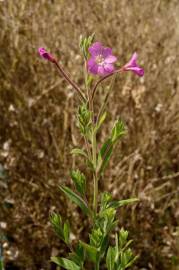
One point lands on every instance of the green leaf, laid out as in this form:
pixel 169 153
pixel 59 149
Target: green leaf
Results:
pixel 78 256
pixel 76 199
pixel 91 252
pixel 66 232
pixel 110 258
pixel 84 120
pixel 56 222
pixel 117 131
pixel 80 252
pixel 85 43
pixel 123 235
pixel 116 204
pixel 106 197
pixel 80 152
pixel 132 261
pixel 100 122
pixel 65 263
pixel 104 155
pixel 79 180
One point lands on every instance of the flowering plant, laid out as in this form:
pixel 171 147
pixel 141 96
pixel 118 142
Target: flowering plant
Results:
pixel 98 61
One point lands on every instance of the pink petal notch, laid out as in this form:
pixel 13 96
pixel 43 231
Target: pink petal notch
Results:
pixel 44 54
pixel 133 66
pixel 102 60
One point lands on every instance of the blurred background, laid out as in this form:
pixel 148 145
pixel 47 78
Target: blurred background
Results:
pixel 38 129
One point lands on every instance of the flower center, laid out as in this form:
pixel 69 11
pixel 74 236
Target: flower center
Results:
pixel 99 59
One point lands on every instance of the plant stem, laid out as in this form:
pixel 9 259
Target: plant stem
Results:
pixel 95 178
pixel 104 78
pixel 67 78
pixel 97 264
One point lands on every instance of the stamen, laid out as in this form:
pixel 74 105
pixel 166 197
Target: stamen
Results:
pixel 99 59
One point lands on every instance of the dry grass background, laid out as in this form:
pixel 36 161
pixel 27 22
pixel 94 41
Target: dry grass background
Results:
pixel 37 127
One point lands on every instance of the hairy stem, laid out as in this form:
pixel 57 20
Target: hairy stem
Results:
pixel 102 79
pixel 67 78
pixel 95 178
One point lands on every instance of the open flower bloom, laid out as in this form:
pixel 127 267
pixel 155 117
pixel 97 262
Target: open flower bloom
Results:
pixel 132 66
pixel 43 53
pixel 102 60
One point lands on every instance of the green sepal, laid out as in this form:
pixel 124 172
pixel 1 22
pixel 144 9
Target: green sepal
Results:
pixel 76 199
pixel 65 263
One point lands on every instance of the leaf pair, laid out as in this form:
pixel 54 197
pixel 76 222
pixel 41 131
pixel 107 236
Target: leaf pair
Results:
pixel 76 199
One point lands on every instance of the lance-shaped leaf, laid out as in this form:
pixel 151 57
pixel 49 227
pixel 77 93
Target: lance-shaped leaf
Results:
pixel 91 252
pixel 76 199
pixel 104 155
pixel 100 122
pixel 56 222
pixel 117 131
pixel 84 120
pixel 65 263
pixel 62 230
pixel 110 258
pixel 80 152
pixel 78 255
pixel 79 180
pixel 123 235
pixel 85 42
pixel 66 232
pixel 116 204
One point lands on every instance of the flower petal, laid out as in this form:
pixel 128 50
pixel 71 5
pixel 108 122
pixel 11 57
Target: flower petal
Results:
pixel 95 49
pixel 133 66
pixel 92 66
pixel 101 71
pixel 106 52
pixel 110 59
pixel 109 68
pixel 132 61
pixel 139 71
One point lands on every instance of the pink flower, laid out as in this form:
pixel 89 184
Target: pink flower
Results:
pixel 101 61
pixel 132 65
pixel 43 53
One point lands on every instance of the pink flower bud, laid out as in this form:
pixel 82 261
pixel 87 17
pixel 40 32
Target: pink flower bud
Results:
pixel 43 53
pixel 133 66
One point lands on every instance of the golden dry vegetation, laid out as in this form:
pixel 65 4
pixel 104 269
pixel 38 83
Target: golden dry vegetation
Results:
pixel 38 130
